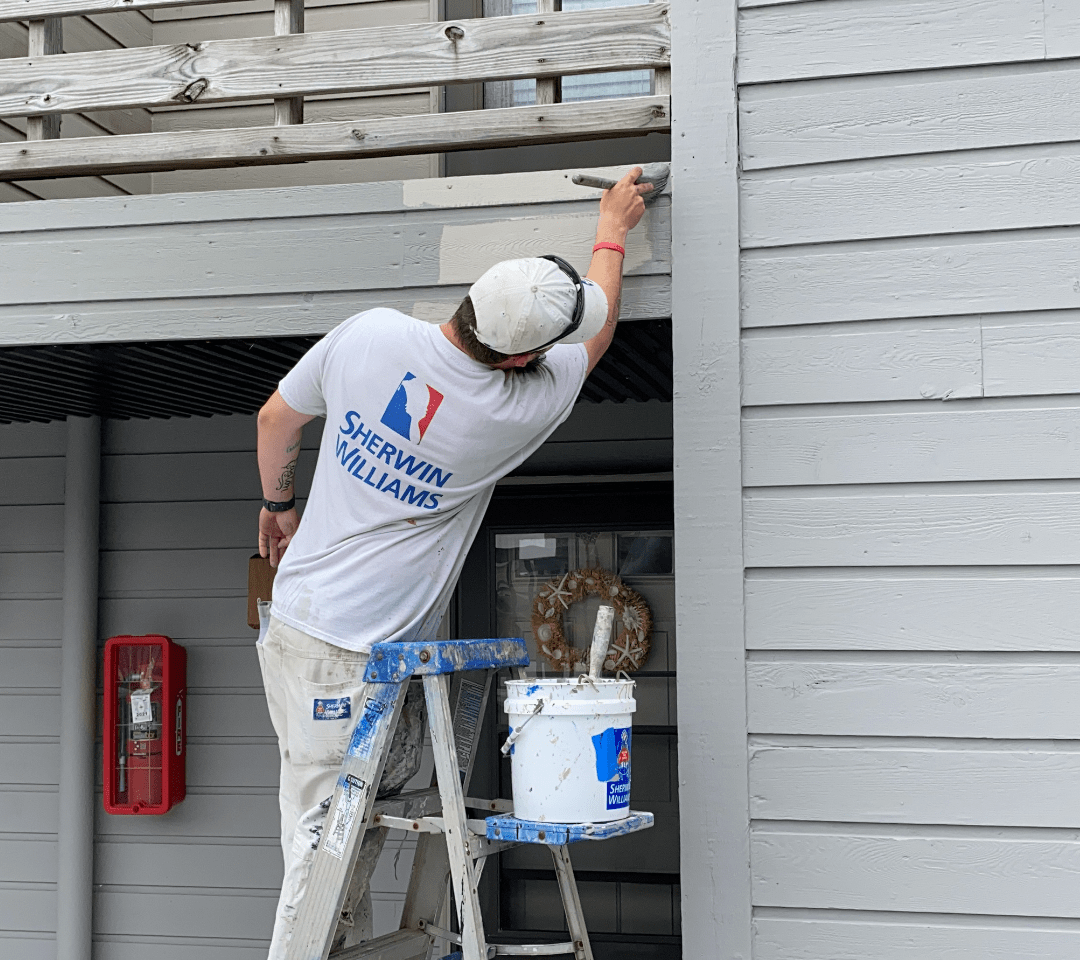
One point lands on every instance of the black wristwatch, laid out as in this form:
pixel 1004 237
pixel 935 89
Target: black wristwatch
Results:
pixel 279 506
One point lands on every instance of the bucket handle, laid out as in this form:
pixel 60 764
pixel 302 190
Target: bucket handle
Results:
pixel 516 732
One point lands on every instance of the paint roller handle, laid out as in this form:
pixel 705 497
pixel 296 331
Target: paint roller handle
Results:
pixel 601 183
pixel 601 639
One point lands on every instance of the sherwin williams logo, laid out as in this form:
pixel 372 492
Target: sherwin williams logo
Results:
pixel 338 709
pixel 412 408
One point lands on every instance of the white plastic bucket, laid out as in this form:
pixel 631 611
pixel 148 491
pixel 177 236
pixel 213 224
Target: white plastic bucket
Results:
pixel 570 758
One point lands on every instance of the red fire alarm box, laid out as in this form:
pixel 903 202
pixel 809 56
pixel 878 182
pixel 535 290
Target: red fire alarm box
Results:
pixel 145 749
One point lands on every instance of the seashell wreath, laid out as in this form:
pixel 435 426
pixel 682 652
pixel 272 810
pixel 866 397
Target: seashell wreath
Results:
pixel 630 648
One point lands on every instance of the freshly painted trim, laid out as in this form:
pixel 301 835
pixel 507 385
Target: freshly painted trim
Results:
pixel 713 775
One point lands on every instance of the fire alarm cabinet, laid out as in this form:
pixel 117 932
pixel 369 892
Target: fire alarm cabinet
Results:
pixel 145 681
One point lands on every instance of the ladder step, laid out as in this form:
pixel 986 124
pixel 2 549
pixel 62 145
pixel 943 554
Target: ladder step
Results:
pixel 558 834
pixel 399 945
pixel 393 662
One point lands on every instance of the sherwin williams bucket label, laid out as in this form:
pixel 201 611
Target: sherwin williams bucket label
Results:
pixel 340 709
pixel 612 749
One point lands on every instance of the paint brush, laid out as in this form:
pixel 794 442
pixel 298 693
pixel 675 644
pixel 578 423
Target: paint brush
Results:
pixel 657 174
pixel 601 639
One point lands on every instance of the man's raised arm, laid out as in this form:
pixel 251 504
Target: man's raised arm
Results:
pixel 621 208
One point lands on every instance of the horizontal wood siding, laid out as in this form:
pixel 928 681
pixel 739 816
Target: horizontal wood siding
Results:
pixel 297 260
pixel 31 579
pixel 911 462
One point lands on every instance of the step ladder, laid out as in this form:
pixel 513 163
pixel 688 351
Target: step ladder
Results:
pixel 451 846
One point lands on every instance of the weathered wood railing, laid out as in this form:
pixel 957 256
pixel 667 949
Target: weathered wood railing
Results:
pixel 291 65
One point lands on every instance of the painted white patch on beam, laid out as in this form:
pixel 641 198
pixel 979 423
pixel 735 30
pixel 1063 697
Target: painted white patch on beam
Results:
pixel 434 311
pixel 466 251
pixel 502 189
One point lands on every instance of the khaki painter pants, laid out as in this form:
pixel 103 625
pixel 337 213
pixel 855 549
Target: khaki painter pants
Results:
pixel 300 671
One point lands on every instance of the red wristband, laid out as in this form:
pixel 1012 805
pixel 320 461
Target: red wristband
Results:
pixel 609 246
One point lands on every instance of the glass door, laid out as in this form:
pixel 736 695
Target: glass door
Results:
pixel 629 886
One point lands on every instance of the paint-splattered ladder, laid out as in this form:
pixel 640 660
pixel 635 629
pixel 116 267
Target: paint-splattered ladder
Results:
pixel 450 846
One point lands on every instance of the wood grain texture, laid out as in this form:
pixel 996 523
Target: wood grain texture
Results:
pixel 1006 190
pixel 965 609
pixel 845 37
pixel 223 21
pixel 1012 524
pixel 1036 356
pixel 963 275
pixel 397 136
pixel 826 935
pixel 944 782
pixel 644 297
pixel 881 361
pixel 304 255
pixel 1004 696
pixel 898 114
pixel 948 872
pixel 336 61
pixel 543 187
pixel 913 442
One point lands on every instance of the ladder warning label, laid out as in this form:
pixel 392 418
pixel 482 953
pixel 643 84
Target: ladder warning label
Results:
pixel 337 837
pixel 466 721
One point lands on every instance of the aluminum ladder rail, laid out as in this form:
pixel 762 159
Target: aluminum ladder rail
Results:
pixel 453 734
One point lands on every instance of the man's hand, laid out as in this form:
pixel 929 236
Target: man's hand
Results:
pixel 275 532
pixel 622 207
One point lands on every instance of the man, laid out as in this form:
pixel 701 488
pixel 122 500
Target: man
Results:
pixel 422 421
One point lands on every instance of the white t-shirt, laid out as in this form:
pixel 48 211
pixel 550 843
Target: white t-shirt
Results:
pixel 417 433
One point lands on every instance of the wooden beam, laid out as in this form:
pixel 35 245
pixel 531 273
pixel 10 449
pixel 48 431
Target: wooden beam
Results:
pixel 384 58
pixel 39 9
pixel 425 133
pixel 548 91
pixel 288 19
pixel 46 38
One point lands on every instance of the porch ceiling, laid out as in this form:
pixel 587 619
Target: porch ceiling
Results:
pixel 206 377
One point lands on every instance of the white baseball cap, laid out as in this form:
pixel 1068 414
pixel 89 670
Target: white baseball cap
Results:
pixel 524 305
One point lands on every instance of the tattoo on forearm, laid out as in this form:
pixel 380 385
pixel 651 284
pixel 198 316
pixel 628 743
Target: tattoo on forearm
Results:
pixel 292 446
pixel 285 481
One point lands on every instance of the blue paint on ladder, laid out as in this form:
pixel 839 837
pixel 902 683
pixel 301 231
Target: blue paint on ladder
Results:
pixel 395 662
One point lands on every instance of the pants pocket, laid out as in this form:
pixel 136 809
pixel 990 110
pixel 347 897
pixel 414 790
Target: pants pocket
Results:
pixel 323 718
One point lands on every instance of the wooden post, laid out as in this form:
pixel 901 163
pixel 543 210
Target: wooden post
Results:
pixel 713 761
pixel 46 38
pixel 548 91
pixel 288 18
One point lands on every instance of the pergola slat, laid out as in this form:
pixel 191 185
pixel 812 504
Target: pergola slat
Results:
pixel 384 58
pixel 424 133
pixel 38 9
